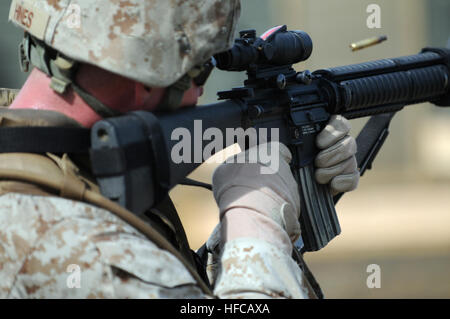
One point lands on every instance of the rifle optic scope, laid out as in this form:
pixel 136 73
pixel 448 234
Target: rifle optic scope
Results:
pixel 275 47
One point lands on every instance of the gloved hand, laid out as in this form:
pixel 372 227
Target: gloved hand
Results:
pixel 262 206
pixel 258 200
pixel 336 162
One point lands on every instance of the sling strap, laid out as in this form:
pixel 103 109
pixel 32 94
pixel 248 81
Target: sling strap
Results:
pixel 63 140
pixel 44 139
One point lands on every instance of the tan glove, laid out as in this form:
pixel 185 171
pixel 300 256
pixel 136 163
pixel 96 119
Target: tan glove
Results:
pixel 259 205
pixel 264 205
pixel 336 162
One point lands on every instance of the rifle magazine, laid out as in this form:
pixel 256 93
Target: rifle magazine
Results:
pixel 318 218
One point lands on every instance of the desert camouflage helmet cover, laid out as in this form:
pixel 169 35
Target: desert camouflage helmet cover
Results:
pixel 151 41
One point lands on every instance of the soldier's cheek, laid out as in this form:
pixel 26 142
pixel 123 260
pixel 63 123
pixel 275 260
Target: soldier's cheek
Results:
pixel 149 98
pixel 191 96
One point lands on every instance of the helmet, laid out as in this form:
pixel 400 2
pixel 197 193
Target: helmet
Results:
pixel 155 42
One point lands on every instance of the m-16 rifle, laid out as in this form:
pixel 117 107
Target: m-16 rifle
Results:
pixel 298 104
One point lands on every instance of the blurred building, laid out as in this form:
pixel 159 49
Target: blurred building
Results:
pixel 10 36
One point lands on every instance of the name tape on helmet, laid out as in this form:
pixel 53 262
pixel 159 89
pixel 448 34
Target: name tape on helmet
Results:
pixel 26 15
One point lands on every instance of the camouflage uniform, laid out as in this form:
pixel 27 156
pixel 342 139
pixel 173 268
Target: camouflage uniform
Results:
pixel 41 236
pixel 45 240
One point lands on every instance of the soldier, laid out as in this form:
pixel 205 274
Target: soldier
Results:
pixel 124 56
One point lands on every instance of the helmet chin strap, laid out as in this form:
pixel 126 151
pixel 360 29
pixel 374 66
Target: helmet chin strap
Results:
pixel 61 70
pixel 174 93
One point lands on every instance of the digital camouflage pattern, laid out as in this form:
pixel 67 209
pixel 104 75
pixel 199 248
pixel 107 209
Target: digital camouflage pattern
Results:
pixel 249 268
pixel 154 42
pixel 41 236
pixel 45 240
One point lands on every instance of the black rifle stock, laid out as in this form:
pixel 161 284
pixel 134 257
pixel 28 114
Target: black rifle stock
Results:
pixel 298 104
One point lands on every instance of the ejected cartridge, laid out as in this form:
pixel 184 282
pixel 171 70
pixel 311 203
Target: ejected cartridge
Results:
pixel 367 43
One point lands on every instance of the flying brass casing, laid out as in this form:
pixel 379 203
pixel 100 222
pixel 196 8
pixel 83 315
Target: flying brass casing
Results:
pixel 367 42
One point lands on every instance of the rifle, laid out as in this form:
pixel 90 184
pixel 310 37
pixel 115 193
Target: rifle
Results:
pixel 131 154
